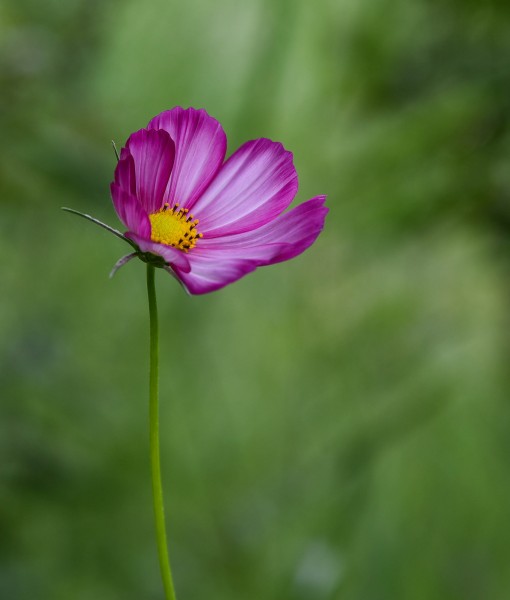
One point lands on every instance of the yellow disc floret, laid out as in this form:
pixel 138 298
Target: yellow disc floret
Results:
pixel 174 227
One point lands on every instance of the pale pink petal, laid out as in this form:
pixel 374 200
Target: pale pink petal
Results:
pixel 177 259
pixel 153 157
pixel 130 211
pixel 288 235
pixel 208 273
pixel 200 146
pixel 216 262
pixel 253 187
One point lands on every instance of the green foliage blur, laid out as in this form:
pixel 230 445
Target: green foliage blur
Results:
pixel 335 427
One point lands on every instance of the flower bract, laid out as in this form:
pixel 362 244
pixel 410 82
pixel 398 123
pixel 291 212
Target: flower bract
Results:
pixel 207 220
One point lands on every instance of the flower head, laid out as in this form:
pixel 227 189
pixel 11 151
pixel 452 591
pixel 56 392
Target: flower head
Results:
pixel 206 220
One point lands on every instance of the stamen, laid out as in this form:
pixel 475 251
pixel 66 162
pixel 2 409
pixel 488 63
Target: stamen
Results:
pixel 174 227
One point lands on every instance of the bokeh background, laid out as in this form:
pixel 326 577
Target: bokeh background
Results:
pixel 335 427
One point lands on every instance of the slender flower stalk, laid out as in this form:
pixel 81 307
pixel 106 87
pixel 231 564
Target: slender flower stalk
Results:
pixel 157 488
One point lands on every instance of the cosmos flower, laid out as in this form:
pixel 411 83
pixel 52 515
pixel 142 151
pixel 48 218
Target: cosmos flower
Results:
pixel 209 221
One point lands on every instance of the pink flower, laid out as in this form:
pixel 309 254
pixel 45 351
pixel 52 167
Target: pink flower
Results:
pixel 209 221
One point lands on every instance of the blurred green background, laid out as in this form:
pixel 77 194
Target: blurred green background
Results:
pixel 335 427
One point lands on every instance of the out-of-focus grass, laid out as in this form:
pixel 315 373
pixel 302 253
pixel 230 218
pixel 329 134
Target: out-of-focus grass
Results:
pixel 333 427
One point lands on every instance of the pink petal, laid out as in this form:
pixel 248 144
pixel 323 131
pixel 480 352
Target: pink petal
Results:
pixel 130 211
pixel 125 176
pixel 153 157
pixel 288 235
pixel 200 146
pixel 208 273
pixel 175 258
pixel 253 187
pixel 216 262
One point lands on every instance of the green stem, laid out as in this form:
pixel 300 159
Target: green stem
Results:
pixel 157 489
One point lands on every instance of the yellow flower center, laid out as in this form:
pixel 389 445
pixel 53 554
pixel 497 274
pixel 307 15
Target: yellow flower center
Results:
pixel 174 227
